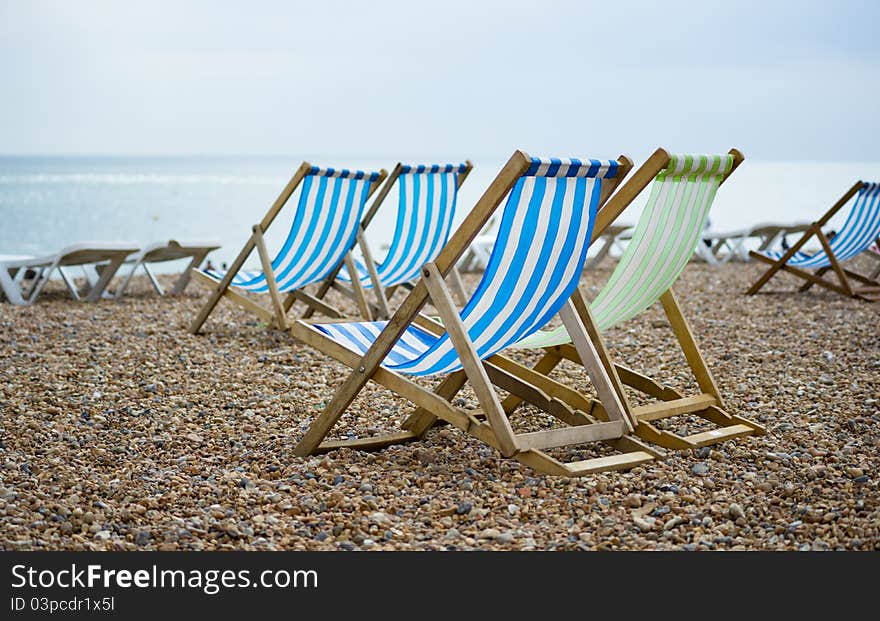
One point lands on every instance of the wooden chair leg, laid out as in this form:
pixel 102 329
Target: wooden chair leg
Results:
pixel 593 362
pixel 841 276
pixel 470 361
pixel 583 309
pixel 269 275
pixel 378 289
pixel 360 295
pixel 689 346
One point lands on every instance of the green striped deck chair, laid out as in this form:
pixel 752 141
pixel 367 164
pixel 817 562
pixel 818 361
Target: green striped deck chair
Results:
pixel 663 241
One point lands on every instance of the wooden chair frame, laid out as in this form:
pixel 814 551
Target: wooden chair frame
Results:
pixel 490 424
pixel 708 405
pixel 277 316
pixel 381 308
pixel 865 287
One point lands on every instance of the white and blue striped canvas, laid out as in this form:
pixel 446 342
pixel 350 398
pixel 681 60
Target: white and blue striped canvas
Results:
pixel 324 228
pixel 426 207
pixel 535 265
pixel 859 231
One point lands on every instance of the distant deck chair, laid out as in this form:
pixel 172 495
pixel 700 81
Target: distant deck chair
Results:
pixel 99 261
pixel 322 234
pixel 171 250
pixel 425 210
pixel 535 266
pixel 859 231
pixel 662 244
pixel 731 245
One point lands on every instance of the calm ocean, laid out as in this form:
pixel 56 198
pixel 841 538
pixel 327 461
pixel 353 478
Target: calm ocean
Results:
pixel 49 202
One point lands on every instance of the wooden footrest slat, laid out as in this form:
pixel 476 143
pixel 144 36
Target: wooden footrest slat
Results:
pixel 612 462
pixel 367 444
pixel 570 435
pixel 720 435
pixel 685 405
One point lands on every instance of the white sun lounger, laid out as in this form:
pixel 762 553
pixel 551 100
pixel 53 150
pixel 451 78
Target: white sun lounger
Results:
pixel 99 261
pixel 731 245
pixel 171 250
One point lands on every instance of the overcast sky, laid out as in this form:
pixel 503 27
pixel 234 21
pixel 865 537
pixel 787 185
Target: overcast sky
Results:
pixel 388 79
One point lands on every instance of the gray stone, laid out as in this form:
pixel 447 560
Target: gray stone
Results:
pixel 700 469
pixel 735 511
pixel 644 524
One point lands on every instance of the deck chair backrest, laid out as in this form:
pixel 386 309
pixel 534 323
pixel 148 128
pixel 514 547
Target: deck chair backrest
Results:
pixel 427 196
pixel 323 229
pixel 664 238
pixel 535 265
pixel 426 207
pixel 859 231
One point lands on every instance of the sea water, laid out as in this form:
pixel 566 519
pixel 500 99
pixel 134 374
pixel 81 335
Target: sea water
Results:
pixel 47 203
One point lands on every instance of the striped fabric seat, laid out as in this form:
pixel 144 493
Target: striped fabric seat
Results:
pixel 323 230
pixel 535 265
pixel 426 207
pixel 663 242
pixel 859 231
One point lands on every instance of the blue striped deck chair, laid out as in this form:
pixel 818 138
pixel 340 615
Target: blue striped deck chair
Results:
pixel 322 234
pixel 859 231
pixel 425 209
pixel 663 241
pixel 535 266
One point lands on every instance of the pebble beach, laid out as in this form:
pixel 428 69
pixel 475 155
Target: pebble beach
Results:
pixel 119 430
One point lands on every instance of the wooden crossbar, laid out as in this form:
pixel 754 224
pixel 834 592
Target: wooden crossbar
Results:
pixel 551 438
pixel 684 405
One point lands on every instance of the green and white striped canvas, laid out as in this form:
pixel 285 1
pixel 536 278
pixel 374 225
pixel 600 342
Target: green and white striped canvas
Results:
pixel 664 240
